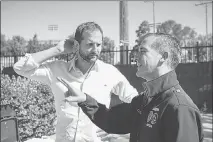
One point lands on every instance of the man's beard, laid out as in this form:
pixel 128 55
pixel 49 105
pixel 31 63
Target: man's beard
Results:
pixel 88 58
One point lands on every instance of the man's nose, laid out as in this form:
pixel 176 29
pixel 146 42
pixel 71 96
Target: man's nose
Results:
pixel 135 56
pixel 95 47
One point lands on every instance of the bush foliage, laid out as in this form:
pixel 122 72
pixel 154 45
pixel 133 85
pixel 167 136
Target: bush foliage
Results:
pixel 33 103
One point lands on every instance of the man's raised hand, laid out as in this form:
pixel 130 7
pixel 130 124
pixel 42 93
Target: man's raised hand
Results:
pixel 67 46
pixel 73 94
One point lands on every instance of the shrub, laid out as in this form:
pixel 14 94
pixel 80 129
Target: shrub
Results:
pixel 33 103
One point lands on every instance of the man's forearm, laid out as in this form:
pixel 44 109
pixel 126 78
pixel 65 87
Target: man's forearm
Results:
pixel 44 55
pixel 116 120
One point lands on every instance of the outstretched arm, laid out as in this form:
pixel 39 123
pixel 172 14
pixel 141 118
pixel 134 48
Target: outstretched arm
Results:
pixel 118 119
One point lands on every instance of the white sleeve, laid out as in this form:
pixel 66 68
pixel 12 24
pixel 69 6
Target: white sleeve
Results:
pixel 123 88
pixel 27 67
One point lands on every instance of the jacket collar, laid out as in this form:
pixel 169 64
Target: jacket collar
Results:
pixel 160 84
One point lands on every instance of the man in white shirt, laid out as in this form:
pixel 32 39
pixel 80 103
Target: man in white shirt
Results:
pixel 86 72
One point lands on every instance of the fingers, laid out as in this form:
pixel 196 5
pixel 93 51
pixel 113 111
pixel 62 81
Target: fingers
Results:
pixel 67 94
pixel 106 137
pixel 101 133
pixel 71 43
pixel 68 99
pixel 71 89
pixel 76 44
pixel 72 99
pixel 73 94
pixel 99 130
pixel 64 81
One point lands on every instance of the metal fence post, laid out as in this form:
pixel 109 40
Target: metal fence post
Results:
pixel 198 55
pixel 15 59
pixel 127 59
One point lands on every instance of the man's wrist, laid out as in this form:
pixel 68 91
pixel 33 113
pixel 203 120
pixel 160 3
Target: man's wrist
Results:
pixel 56 50
pixel 87 101
pixel 84 99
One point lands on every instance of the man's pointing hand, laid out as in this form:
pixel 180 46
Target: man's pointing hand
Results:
pixel 73 94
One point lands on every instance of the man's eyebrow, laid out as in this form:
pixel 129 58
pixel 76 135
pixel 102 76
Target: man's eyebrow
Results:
pixel 141 47
pixel 90 40
pixel 93 41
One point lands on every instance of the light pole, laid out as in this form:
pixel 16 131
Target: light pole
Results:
pixel 154 25
pixel 53 28
pixel 153 16
pixel 206 3
pixel 124 33
pixel 206 8
pixel 153 2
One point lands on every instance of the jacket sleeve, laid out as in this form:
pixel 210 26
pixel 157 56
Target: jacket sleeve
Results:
pixel 182 124
pixel 27 67
pixel 117 120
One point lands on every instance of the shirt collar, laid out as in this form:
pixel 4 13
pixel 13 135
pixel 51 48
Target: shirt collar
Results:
pixel 73 61
pixel 160 84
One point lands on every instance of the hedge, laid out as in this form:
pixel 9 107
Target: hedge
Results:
pixel 33 103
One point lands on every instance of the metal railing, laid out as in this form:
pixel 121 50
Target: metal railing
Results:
pixel 197 54
pixel 189 55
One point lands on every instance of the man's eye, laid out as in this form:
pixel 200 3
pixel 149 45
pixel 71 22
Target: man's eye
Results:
pixel 142 50
pixel 90 44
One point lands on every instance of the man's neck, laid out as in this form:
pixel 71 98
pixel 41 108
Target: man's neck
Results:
pixel 158 73
pixel 82 65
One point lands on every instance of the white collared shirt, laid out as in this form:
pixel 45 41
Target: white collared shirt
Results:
pixel 102 80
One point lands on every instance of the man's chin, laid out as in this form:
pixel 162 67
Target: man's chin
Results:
pixel 137 74
pixel 140 74
pixel 92 60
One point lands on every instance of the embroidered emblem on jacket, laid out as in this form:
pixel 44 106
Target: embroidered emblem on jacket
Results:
pixel 152 117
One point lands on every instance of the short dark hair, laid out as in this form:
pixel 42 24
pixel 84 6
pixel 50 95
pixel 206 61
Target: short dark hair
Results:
pixel 166 43
pixel 87 26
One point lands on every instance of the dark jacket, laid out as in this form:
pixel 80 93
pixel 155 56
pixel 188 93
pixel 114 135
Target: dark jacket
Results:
pixel 162 113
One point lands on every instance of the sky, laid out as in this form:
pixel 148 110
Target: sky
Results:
pixel 25 18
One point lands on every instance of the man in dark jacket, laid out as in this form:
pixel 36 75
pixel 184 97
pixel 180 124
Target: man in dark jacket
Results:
pixel 163 112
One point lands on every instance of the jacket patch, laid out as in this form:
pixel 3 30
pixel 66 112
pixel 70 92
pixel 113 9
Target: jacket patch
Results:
pixel 152 117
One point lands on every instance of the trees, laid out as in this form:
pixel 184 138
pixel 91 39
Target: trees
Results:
pixel 107 54
pixel 33 45
pixel 142 30
pixel 185 34
pixel 19 46
pixel 3 41
pixel 16 45
pixel 166 27
pixel 4 45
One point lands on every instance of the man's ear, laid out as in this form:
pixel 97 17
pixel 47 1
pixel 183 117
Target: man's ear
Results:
pixel 164 57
